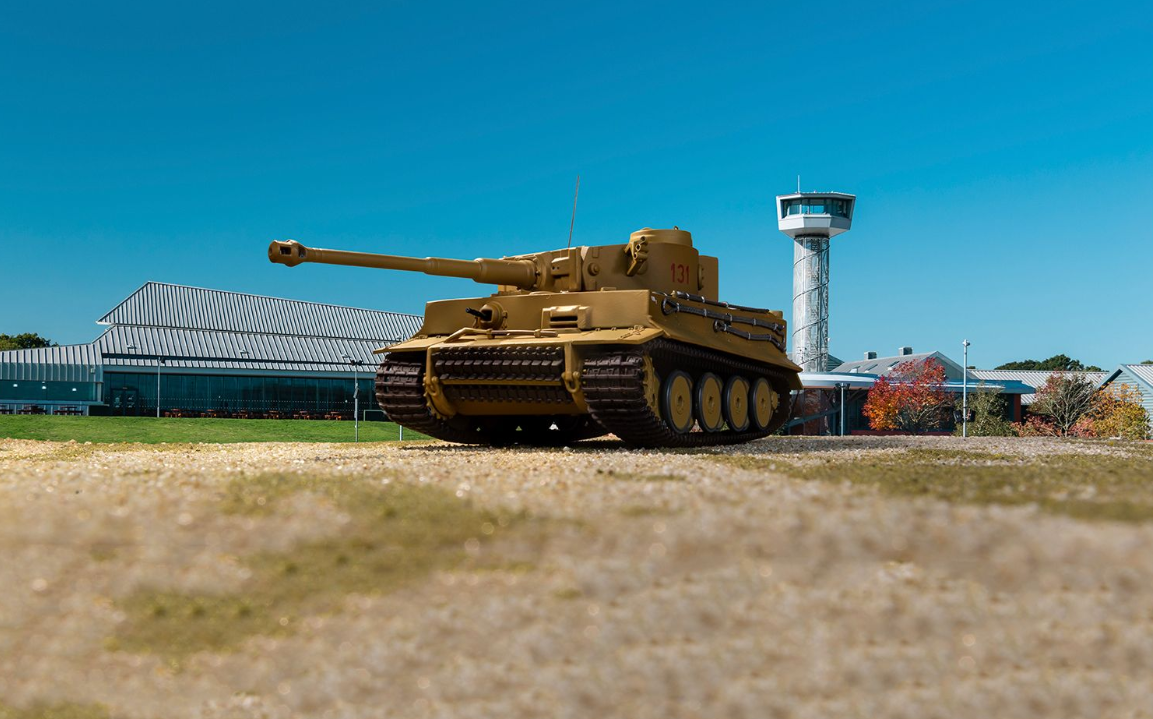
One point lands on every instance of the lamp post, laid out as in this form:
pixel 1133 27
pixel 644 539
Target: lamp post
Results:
pixel 965 390
pixel 842 386
pixel 355 395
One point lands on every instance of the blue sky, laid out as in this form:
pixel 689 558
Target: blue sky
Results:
pixel 1002 154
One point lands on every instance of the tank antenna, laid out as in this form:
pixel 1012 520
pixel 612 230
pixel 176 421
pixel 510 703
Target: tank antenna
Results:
pixel 572 222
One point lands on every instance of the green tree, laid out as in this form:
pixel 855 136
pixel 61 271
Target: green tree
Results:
pixel 25 341
pixel 1056 363
pixel 988 408
pixel 1147 362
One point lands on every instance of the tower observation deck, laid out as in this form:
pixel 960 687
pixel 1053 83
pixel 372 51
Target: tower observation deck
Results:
pixel 811 219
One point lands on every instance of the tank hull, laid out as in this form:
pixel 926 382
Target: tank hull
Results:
pixel 553 368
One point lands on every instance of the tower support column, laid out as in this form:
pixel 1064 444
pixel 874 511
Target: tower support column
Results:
pixel 811 303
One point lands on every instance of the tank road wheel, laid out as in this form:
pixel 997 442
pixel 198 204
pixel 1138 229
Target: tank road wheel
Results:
pixel 764 403
pixel 677 401
pixel 708 404
pixel 736 403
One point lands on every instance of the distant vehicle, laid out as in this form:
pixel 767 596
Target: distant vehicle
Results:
pixel 576 343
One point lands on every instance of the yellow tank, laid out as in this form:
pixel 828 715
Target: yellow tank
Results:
pixel 629 339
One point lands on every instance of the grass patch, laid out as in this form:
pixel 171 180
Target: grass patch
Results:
pixel 55 711
pixel 645 510
pixel 259 495
pixel 398 533
pixel 152 430
pixel 756 463
pixel 1095 487
pixel 640 477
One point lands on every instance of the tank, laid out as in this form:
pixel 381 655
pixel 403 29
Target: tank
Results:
pixel 629 339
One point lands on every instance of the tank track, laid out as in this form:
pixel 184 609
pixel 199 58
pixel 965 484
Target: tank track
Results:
pixel 614 389
pixel 400 393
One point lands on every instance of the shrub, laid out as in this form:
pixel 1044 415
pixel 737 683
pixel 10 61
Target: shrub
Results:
pixel 1083 429
pixel 1035 426
pixel 1064 399
pixel 988 409
pixel 1117 412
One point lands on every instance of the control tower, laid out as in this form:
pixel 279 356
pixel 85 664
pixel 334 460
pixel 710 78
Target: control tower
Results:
pixel 812 219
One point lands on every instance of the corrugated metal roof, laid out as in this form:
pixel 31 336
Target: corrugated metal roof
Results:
pixel 1144 371
pixel 880 365
pixel 193 308
pixel 205 349
pixel 66 363
pixel 884 365
pixel 1032 377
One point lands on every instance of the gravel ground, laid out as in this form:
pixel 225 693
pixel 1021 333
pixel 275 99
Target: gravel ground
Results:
pixel 667 585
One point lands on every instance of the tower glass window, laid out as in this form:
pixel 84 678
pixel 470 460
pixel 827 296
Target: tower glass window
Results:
pixel 815 206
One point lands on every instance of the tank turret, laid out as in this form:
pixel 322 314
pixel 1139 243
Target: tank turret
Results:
pixel 628 339
pixel 652 259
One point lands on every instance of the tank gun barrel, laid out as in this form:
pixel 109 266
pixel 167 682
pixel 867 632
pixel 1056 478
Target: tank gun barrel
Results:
pixel 517 273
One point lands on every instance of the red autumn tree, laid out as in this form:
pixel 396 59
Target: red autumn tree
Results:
pixel 911 398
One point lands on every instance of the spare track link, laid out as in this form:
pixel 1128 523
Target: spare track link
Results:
pixel 476 368
pixel 400 393
pixel 614 389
